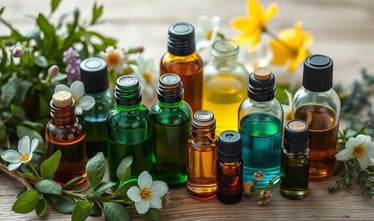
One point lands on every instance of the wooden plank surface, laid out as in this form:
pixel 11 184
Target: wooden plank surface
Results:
pixel 343 29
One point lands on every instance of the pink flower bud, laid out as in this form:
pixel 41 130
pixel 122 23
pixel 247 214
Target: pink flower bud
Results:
pixel 17 52
pixel 53 71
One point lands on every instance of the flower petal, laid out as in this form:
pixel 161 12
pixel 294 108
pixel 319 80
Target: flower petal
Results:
pixel 145 180
pixel 159 188
pixel 24 145
pixel 62 87
pixel 34 145
pixel 134 193
pixel 344 155
pixel 13 166
pixel 364 161
pixel 155 202
pixel 77 89
pixel 142 206
pixel 11 156
pixel 78 110
pixel 86 102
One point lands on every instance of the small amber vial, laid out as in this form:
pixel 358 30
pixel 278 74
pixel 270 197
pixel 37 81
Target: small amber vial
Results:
pixel 65 132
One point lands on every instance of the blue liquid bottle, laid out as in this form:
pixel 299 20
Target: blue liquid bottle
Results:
pixel 261 128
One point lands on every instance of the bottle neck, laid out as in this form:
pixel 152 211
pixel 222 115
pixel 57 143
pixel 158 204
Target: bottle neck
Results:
pixel 225 53
pixel 63 116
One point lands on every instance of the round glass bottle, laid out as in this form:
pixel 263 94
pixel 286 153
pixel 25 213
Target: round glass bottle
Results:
pixel 224 84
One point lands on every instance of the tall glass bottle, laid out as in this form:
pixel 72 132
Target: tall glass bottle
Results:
pixel 66 132
pixel 317 103
pixel 94 76
pixel 182 59
pixel 294 183
pixel 129 129
pixel 224 84
pixel 202 157
pixel 261 128
pixel 229 167
pixel 171 128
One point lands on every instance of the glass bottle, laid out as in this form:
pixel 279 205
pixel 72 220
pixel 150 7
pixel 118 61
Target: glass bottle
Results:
pixel 94 76
pixel 129 129
pixel 261 128
pixel 171 128
pixel 224 84
pixel 294 183
pixel 317 103
pixel 202 157
pixel 66 132
pixel 229 167
pixel 182 59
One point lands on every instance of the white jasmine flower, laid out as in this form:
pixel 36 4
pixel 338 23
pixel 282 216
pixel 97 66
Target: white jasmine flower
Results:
pixel 23 155
pixel 115 58
pixel 206 31
pixel 360 147
pixel 82 102
pixel 145 71
pixel 148 194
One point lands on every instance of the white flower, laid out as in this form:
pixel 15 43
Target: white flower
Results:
pixel 260 56
pixel 287 108
pixel 23 155
pixel 82 102
pixel 115 58
pixel 149 195
pixel 360 147
pixel 206 31
pixel 145 71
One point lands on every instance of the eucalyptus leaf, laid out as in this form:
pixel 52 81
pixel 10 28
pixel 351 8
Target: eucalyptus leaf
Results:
pixel 115 212
pixel 71 183
pixel 49 186
pixel 101 188
pixel 9 90
pixel 62 204
pixel 26 131
pixel 41 61
pixel 41 207
pixel 27 202
pixel 96 169
pixel 152 214
pixel 124 169
pixel 81 210
pixel 49 166
pixel 22 90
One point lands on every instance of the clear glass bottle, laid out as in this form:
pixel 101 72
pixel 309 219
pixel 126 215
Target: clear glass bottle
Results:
pixel 182 59
pixel 294 183
pixel 261 128
pixel 317 103
pixel 229 167
pixel 224 84
pixel 94 76
pixel 129 130
pixel 202 157
pixel 171 128
pixel 66 132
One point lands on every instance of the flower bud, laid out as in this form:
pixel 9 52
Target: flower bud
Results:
pixel 53 71
pixel 17 52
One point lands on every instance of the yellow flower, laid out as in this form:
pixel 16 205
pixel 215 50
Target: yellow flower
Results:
pixel 291 47
pixel 254 24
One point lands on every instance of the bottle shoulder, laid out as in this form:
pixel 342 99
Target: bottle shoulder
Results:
pixel 179 111
pixel 249 106
pixel 328 98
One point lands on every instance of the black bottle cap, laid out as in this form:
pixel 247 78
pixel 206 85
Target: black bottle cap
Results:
pixel 94 76
pixel 229 146
pixel 296 136
pixel 261 85
pixel 170 88
pixel 317 76
pixel 181 39
pixel 127 91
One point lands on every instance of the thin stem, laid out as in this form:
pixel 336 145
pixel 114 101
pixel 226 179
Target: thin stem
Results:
pixel 34 170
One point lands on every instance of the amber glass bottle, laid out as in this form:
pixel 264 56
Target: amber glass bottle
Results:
pixel 229 167
pixel 202 157
pixel 317 103
pixel 181 58
pixel 65 132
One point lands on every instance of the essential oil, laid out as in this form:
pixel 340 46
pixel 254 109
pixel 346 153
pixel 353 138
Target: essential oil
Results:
pixel 202 157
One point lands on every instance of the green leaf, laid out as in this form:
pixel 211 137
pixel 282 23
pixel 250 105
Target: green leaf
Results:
pixel 27 202
pixel 9 90
pixel 49 186
pixel 29 175
pixel 62 204
pixel 96 169
pixel 121 192
pixel 152 214
pixel 124 169
pixel 81 210
pixel 115 212
pixel 54 5
pixel 22 90
pixel 96 209
pixel 101 188
pixel 41 207
pixel 26 131
pixel 49 166
pixel 97 11
pixel 47 28
pixel 41 61
pixel 71 183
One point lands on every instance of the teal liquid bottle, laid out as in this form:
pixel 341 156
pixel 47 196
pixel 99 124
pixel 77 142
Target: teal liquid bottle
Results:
pixel 129 129
pixel 261 128
pixel 94 77
pixel 171 128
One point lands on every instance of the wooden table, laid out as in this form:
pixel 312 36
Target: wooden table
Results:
pixel 342 29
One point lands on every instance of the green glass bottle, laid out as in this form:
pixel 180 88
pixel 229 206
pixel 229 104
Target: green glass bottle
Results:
pixel 95 79
pixel 129 129
pixel 171 128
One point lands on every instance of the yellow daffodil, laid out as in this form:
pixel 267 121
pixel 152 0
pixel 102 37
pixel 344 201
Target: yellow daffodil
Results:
pixel 254 24
pixel 291 47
